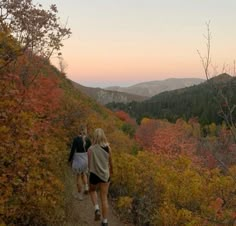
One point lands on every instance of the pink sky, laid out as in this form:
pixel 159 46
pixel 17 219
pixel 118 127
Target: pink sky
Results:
pixel 128 41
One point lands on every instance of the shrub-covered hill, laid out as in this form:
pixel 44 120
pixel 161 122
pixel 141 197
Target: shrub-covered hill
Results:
pixel 203 101
pixel 40 113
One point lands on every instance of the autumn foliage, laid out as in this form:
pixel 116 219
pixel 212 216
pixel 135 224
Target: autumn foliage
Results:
pixel 169 174
pixel 179 179
pixel 40 114
pixel 29 149
pixel 32 138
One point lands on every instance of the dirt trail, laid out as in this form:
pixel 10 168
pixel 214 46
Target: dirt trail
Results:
pixel 81 213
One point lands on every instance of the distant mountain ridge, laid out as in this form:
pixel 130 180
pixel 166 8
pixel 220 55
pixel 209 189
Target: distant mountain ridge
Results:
pixel 201 101
pixel 104 97
pixel 138 92
pixel 152 88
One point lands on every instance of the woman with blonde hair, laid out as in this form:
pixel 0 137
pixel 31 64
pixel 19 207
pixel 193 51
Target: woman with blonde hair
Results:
pixel 79 160
pixel 100 168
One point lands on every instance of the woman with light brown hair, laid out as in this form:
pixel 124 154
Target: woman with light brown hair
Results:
pixel 100 168
pixel 79 161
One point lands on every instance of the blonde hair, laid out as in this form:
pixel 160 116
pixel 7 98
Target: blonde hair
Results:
pixel 99 137
pixel 83 133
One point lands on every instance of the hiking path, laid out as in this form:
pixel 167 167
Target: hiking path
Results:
pixel 81 212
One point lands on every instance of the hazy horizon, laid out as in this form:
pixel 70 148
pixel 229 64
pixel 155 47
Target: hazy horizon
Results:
pixel 132 40
pixel 105 84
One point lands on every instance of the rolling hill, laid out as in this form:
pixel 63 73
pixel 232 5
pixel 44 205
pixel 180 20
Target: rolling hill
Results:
pixel 152 88
pixel 104 96
pixel 202 101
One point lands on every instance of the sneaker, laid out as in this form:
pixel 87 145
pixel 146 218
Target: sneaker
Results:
pixel 97 215
pixel 86 189
pixel 78 195
pixel 104 224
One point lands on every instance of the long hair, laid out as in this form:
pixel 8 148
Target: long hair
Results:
pixel 99 137
pixel 83 134
pixel 83 130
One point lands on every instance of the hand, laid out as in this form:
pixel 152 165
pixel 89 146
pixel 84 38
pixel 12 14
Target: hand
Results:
pixel 111 173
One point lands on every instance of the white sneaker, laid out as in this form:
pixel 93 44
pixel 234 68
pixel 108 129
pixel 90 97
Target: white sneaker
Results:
pixel 86 189
pixel 75 194
pixel 78 195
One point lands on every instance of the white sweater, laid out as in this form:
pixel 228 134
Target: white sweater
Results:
pixel 99 162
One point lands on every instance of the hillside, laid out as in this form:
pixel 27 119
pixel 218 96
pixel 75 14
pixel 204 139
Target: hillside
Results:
pixel 40 114
pixel 152 88
pixel 104 96
pixel 201 101
pixel 163 173
pixel 38 123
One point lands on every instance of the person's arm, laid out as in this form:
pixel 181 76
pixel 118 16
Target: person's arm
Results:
pixel 88 143
pixel 89 157
pixel 72 151
pixel 110 162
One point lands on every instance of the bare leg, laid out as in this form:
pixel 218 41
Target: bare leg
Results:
pixel 93 194
pixel 103 193
pixel 94 198
pixel 84 178
pixel 79 186
pixel 85 183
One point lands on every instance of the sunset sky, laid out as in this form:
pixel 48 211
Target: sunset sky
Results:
pixel 124 42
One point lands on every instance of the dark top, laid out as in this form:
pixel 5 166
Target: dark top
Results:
pixel 106 148
pixel 78 146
